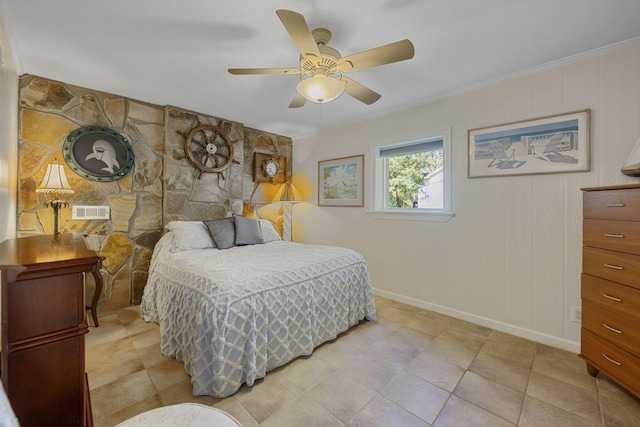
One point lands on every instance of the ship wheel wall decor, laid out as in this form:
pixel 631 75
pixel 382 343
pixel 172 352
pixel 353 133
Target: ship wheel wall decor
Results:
pixel 209 148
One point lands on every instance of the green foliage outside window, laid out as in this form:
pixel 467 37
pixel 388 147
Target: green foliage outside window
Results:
pixel 409 172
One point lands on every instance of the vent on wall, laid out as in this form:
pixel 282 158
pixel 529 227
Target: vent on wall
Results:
pixel 90 212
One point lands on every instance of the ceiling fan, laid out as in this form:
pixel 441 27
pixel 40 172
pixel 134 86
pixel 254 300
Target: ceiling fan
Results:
pixel 321 66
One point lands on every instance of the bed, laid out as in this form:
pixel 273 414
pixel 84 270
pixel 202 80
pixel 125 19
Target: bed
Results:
pixel 232 314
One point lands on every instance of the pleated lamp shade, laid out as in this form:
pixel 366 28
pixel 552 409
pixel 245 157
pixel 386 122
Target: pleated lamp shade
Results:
pixel 55 180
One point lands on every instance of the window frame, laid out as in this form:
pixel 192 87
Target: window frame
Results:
pixel 378 201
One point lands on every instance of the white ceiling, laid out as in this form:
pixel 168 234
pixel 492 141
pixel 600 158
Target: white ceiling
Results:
pixel 177 52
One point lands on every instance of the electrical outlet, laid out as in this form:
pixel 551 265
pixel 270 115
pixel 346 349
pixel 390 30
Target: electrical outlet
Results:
pixel 576 314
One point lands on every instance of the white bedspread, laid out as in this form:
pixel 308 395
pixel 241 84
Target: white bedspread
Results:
pixel 232 315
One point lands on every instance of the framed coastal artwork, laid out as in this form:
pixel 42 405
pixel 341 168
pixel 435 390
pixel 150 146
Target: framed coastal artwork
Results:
pixel 341 181
pixel 552 144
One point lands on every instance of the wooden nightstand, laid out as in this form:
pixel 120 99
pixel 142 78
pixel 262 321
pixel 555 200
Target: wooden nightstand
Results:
pixel 43 326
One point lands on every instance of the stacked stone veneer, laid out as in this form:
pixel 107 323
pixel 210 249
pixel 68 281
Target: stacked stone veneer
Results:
pixel 162 185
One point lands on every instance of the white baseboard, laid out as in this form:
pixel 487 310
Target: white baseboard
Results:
pixel 540 337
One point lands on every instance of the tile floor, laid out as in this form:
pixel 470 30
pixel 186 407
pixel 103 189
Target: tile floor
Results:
pixel 413 368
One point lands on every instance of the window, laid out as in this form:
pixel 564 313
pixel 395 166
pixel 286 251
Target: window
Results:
pixel 413 179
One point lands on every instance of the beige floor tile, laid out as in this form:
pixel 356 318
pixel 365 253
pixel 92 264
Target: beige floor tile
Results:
pixel 307 372
pixel 501 370
pixel 612 390
pixel 108 361
pixel 113 371
pixel 268 395
pixel 395 349
pixel 460 413
pixel 565 396
pixel 151 355
pixel 417 396
pixel 121 394
pixel 166 374
pixel 395 315
pixel 414 337
pixel 366 334
pixel 131 320
pixel 362 368
pixel 511 350
pixel 536 413
pixel 490 396
pixel 470 327
pixel 302 412
pixel 232 406
pixel 428 325
pixel 462 337
pixel 382 302
pixel 436 371
pixel 352 379
pixel 617 413
pixel 182 392
pixel 146 338
pixel 117 417
pixel 110 329
pixel 564 366
pixel 459 354
pixel 341 395
pixel 381 412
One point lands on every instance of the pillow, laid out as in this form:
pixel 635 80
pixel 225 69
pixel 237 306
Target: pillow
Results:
pixel 189 235
pixel 223 232
pixel 247 231
pixel 269 233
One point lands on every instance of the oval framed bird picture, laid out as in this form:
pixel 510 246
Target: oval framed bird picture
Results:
pixel 98 153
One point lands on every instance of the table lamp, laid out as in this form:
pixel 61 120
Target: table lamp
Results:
pixel 55 181
pixel 287 195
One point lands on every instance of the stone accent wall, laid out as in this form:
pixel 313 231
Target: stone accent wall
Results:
pixel 162 185
pixel 188 194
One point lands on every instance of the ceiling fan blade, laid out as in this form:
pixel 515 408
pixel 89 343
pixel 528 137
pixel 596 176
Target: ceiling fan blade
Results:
pixel 299 31
pixel 238 71
pixel 297 101
pixel 360 92
pixel 392 52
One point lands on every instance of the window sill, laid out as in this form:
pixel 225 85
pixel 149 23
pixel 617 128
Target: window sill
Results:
pixel 412 215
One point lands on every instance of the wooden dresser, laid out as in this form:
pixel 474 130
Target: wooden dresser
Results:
pixel 611 284
pixel 43 327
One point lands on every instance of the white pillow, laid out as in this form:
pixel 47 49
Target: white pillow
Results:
pixel 190 235
pixel 269 233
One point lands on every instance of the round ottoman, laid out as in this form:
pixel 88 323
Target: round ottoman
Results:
pixel 183 414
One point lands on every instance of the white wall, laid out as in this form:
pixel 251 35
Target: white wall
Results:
pixel 510 259
pixel 8 139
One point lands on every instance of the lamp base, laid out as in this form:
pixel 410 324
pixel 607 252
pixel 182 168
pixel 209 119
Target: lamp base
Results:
pixel 56 204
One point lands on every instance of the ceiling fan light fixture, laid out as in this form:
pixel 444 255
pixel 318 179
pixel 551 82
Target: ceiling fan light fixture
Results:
pixel 320 88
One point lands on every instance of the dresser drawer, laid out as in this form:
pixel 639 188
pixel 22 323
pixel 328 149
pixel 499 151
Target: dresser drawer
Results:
pixel 612 327
pixel 612 296
pixel 38 307
pixel 613 361
pixel 622 204
pixel 621 236
pixel 616 266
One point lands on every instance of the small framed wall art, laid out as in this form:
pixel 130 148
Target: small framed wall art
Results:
pixel 98 153
pixel 341 181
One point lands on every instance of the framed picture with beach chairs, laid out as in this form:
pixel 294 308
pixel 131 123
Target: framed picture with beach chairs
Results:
pixel 552 144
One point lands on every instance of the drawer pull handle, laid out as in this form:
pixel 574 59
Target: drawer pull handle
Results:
pixel 617 236
pixel 617 331
pixel 615 205
pixel 612 298
pixel 615 267
pixel 611 360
